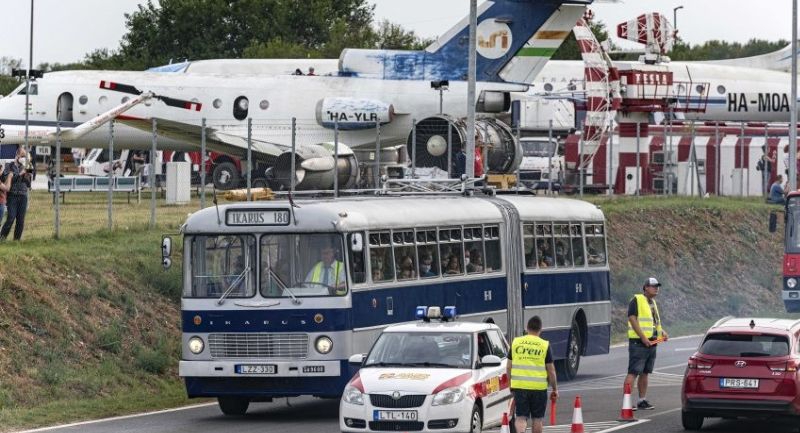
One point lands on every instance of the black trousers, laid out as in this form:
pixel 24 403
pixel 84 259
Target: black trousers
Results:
pixel 17 206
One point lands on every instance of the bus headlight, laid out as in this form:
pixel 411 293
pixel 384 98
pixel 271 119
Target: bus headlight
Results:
pixel 196 345
pixel 323 345
pixel 791 283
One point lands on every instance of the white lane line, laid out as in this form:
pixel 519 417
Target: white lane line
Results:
pixel 589 427
pixel 117 418
pixel 685 349
pixel 625 425
pixel 666 412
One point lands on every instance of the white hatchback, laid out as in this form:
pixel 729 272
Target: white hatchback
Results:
pixel 442 377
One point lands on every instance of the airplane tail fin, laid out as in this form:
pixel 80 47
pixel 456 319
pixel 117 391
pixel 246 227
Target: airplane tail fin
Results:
pixel 780 60
pixel 515 38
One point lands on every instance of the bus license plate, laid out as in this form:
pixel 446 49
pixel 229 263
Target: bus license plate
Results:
pixel 256 369
pixel 738 383
pixel 395 415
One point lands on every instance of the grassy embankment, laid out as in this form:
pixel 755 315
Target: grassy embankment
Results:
pixel 89 325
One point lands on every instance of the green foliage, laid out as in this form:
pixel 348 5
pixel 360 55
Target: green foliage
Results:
pixel 110 338
pixel 153 361
pixel 718 50
pixel 569 49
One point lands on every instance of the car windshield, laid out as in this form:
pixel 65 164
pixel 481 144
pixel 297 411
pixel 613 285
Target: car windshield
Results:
pixel 538 148
pixel 302 265
pixel 724 344
pixel 418 349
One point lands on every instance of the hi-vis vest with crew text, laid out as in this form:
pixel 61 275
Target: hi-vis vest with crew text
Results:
pixel 317 275
pixel 527 364
pixel 646 321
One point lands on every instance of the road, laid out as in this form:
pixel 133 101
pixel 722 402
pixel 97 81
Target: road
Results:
pixel 599 385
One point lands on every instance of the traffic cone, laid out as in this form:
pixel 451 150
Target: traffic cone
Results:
pixel 504 425
pixel 626 415
pixel 577 417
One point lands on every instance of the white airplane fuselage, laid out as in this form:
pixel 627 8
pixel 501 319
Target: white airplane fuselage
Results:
pixel 273 101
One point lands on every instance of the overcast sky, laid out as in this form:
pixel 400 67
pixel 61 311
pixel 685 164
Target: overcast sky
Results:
pixel 64 34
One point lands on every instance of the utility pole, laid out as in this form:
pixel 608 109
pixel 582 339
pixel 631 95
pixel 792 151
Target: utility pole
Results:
pixel 28 89
pixel 793 106
pixel 471 78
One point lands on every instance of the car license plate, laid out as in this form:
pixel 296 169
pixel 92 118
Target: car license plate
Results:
pixel 726 382
pixel 395 415
pixel 256 369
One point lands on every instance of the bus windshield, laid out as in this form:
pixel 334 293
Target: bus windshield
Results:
pixel 222 267
pixel 793 226
pixel 302 265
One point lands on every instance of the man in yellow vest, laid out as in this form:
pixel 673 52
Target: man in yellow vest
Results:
pixel 644 328
pixel 329 271
pixel 530 366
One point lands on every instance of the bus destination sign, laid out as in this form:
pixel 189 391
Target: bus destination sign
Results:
pixel 257 217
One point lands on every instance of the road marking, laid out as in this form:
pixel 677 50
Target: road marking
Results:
pixel 117 418
pixel 589 427
pixel 666 412
pixel 685 349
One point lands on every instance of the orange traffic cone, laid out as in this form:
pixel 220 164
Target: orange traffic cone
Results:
pixel 504 425
pixel 626 415
pixel 577 417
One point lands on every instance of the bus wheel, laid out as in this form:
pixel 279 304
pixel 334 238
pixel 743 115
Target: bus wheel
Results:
pixel 226 176
pixel 568 367
pixel 233 405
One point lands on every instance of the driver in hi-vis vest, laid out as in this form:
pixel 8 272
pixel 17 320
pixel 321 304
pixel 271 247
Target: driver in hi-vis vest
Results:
pixel 530 365
pixel 329 271
pixel 644 332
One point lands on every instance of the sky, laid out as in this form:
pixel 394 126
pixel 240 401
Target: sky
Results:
pixel 64 34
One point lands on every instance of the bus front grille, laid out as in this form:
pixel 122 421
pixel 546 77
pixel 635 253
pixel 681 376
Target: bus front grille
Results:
pixel 258 345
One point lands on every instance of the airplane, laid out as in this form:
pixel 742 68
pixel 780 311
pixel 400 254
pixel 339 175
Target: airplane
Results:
pixel 386 87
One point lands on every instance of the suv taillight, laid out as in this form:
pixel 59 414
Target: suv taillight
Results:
pixel 696 362
pixel 788 366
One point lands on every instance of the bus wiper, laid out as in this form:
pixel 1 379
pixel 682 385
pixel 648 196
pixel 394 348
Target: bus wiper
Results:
pixel 235 283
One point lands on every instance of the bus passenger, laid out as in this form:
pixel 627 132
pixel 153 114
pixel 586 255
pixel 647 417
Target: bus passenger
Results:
pixel 475 262
pixel 329 271
pixel 406 269
pixel 426 267
pixel 453 266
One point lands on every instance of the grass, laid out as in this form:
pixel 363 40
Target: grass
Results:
pixel 614 204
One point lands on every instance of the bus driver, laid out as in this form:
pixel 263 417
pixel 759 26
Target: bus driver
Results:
pixel 329 271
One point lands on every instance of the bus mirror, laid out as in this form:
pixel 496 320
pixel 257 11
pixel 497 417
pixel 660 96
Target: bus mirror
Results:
pixel 356 243
pixel 773 222
pixel 166 262
pixel 166 247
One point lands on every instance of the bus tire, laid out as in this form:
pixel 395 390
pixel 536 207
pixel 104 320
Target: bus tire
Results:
pixel 226 176
pixel 233 406
pixel 567 368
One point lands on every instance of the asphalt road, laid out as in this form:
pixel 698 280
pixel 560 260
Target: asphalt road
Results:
pixel 599 385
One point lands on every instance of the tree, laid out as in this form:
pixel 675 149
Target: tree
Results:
pixel 569 50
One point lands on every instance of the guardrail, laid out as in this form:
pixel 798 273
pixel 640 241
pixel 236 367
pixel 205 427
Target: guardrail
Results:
pixel 126 184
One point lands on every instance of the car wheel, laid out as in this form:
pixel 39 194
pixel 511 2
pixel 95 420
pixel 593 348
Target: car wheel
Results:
pixel 226 176
pixel 476 420
pixel 691 421
pixel 567 368
pixel 233 405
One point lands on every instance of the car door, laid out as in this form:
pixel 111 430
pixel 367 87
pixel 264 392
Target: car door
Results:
pixel 494 382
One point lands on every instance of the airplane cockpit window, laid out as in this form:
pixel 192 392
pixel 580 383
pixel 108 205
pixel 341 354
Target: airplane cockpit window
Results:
pixel 240 108
pixel 34 89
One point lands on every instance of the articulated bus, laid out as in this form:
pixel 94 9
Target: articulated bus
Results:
pixel 791 253
pixel 261 319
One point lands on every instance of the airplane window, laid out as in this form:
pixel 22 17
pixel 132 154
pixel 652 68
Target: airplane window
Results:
pixel 721 89
pixel 240 108
pixel 34 89
pixel 217 103
pixel 125 99
pixel 548 87
pixel 83 100
pixel 103 100
pixel 700 88
pixel 264 104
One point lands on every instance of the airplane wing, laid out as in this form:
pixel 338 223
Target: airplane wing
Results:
pixel 216 140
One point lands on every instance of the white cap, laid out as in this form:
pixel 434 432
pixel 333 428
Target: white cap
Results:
pixel 652 282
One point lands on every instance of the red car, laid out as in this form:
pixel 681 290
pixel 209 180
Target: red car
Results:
pixel 743 368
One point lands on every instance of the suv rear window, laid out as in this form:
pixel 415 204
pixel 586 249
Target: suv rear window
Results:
pixel 723 344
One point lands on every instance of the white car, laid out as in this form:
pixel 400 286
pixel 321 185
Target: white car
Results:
pixel 429 376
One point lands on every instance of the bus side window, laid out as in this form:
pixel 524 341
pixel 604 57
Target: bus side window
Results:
pixel 380 257
pixel 529 248
pixel 358 271
pixel 493 258
pixel 563 246
pixel 595 244
pixel 576 235
pixel 544 245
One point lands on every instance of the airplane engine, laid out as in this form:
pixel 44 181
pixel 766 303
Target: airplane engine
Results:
pixel 315 168
pixel 503 150
pixel 353 113
pixel 493 102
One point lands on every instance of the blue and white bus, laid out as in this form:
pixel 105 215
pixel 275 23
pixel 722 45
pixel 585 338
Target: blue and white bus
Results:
pixel 261 319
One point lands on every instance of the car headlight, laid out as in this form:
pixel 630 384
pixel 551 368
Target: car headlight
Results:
pixel 323 345
pixel 353 396
pixel 448 396
pixel 196 345
pixel 791 283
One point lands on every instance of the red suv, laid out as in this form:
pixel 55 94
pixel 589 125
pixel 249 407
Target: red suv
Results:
pixel 744 367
